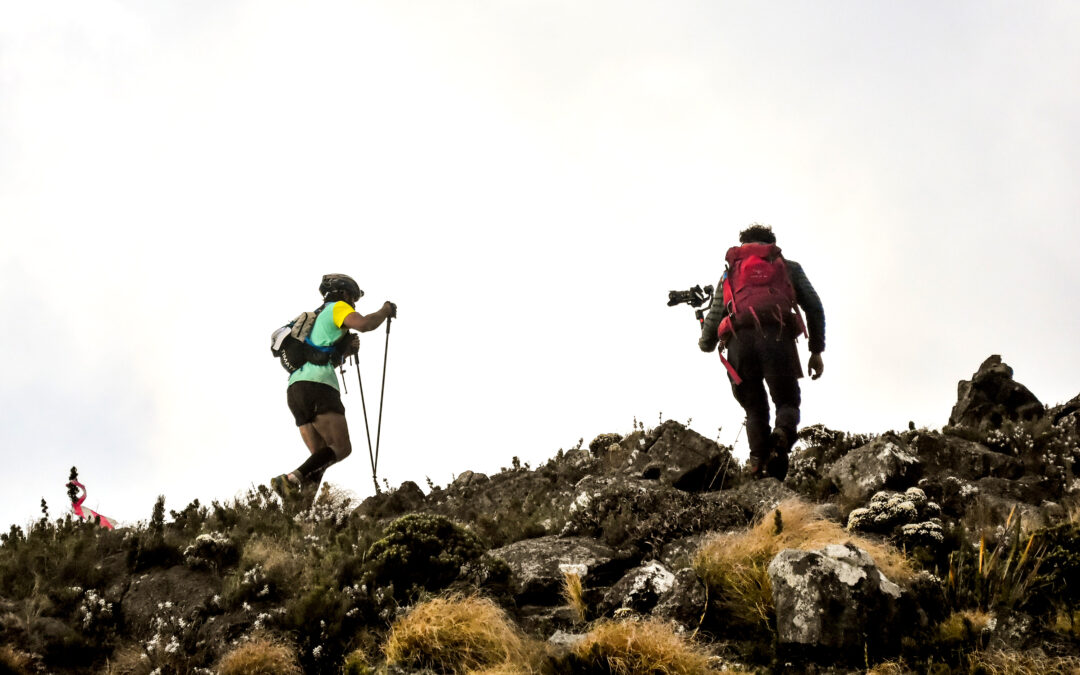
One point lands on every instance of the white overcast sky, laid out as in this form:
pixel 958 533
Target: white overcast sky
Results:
pixel 527 180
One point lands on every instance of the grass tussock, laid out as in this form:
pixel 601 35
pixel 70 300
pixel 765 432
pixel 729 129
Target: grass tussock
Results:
pixel 260 656
pixel 964 626
pixel 734 566
pixel 457 634
pixel 504 669
pixel 1067 622
pixel 1021 663
pixel 275 557
pixel 128 660
pixel 641 648
pixel 889 668
pixel 573 592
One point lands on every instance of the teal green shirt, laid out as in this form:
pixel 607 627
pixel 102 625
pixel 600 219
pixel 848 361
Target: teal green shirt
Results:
pixel 326 331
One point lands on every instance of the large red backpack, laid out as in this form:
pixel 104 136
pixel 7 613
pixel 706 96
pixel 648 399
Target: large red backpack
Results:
pixel 757 288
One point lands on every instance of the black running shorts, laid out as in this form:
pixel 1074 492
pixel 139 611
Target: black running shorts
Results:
pixel 308 399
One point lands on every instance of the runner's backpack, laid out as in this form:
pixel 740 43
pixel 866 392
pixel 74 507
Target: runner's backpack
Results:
pixel 757 289
pixel 291 344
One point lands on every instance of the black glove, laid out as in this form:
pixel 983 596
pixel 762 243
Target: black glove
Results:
pixel 350 346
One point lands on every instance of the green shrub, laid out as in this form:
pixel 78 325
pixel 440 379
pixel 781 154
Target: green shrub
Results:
pixel 356 663
pixel 1062 564
pixel 422 551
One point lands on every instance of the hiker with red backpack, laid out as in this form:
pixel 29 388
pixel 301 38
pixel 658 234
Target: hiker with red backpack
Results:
pixel 756 318
pixel 309 348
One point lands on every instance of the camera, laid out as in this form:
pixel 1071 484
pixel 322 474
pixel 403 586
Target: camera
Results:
pixel 695 297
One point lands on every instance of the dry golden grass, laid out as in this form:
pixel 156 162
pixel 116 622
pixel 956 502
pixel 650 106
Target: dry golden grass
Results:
pixel 1021 663
pixel 642 648
pixel 14 662
pixel 260 656
pixel 964 625
pixel 457 634
pixel 574 593
pixel 1067 624
pixel 275 557
pixel 129 660
pixel 734 565
pixel 889 668
pixel 504 669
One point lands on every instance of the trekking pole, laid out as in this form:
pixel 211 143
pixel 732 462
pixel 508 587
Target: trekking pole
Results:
pixel 382 392
pixel 367 429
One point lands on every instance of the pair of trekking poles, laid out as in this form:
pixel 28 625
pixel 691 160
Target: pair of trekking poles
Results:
pixel 373 454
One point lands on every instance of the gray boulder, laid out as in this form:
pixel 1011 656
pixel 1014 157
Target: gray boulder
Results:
pixel 406 499
pixel 684 602
pixel 963 458
pixel 639 515
pixel 153 600
pixel 885 462
pixel 679 457
pixel 538 566
pixel 638 590
pixel 834 598
pixel 991 397
pixel 469 478
pixel 756 497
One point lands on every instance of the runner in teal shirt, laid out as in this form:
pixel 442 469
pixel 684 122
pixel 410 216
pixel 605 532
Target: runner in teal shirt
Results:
pixel 313 395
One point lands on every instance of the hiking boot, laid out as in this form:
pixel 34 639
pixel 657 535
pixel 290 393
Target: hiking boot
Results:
pixel 284 487
pixel 779 441
pixel 757 467
pixel 777 466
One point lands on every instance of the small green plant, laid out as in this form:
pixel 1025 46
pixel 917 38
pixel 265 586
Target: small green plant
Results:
pixel 421 551
pixel 992 576
pixel 1062 564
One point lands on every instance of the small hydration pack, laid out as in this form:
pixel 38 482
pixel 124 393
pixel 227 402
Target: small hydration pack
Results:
pixel 291 344
pixel 757 289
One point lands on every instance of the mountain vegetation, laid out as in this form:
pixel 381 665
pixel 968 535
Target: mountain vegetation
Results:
pixel 909 551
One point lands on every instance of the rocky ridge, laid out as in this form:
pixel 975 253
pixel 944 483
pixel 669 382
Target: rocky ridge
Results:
pixel 627 517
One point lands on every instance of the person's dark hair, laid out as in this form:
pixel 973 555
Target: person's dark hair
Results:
pixel 757 233
pixel 342 295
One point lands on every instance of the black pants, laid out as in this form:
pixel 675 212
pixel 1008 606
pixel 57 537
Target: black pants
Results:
pixel 761 356
pixel 785 394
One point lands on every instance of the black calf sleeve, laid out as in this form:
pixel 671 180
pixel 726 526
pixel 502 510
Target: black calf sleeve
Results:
pixel 317 462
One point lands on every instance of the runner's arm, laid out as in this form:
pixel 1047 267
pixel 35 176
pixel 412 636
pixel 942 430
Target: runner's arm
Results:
pixel 364 323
